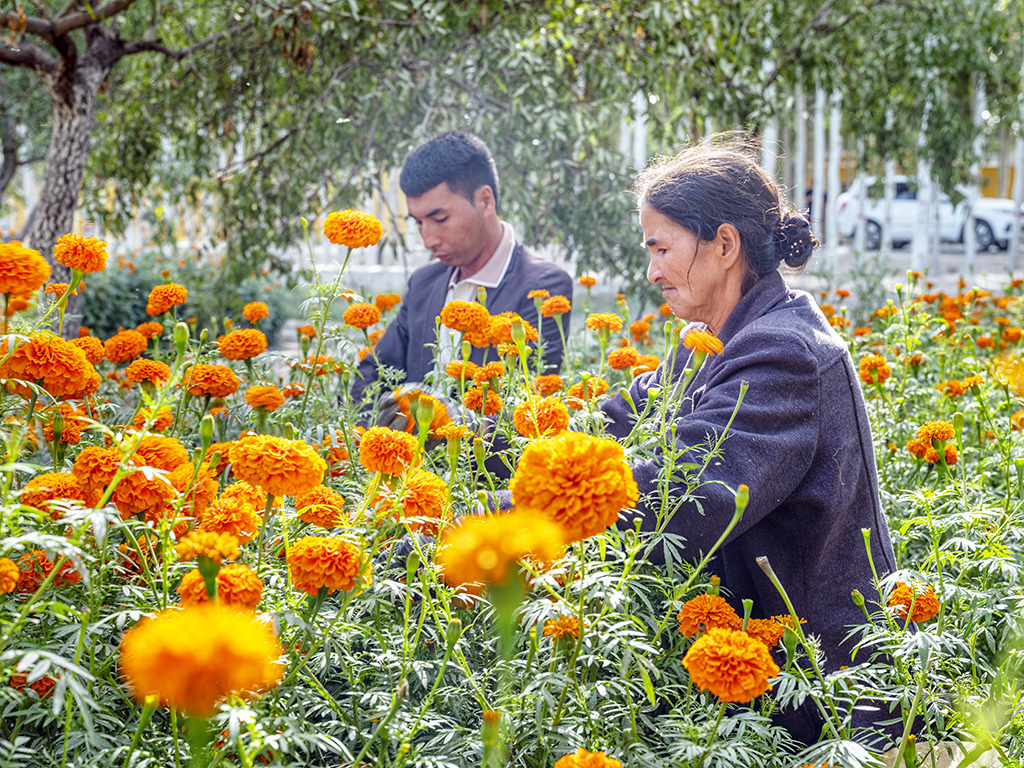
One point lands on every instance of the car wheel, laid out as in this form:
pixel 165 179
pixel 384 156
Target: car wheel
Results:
pixel 983 237
pixel 900 244
pixel 872 235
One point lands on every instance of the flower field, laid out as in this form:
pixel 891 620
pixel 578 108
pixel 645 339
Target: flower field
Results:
pixel 210 556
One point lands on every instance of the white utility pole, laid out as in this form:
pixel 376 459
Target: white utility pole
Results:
pixel 970 238
pixel 639 130
pixel 835 159
pixel 800 161
pixel 818 178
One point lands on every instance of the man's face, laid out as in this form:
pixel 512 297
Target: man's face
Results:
pixel 455 230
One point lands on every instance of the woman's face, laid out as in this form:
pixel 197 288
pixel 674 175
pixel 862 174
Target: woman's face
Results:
pixel 695 277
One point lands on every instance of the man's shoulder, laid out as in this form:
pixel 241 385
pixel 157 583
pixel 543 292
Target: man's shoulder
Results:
pixel 536 265
pixel 430 272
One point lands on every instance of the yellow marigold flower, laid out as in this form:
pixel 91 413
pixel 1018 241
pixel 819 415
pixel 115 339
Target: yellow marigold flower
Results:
pixel 465 316
pixel 281 467
pixel 453 431
pixel 22 270
pixel 203 380
pixel 580 392
pixel 474 401
pixel 361 315
pixel 163 297
pixel 92 347
pixel 124 346
pixel 425 504
pixel 500 329
pixel 605 321
pixel 973 381
pixel 730 664
pixel 163 419
pixel 318 561
pixel 322 506
pixel 787 621
pixel 483 549
pixel 700 340
pixel 385 301
pixel 216 546
pixel 59 366
pixel 873 369
pixel 580 481
pixel 88 254
pixel 707 611
pixel 353 228
pixel 926 604
pixel 587 281
pixel 153 371
pixel 255 311
pixel 9 575
pixel 538 417
pixel 95 467
pixel 582 758
pixel 243 344
pixel 556 305
pixel 563 626
pixel 767 631
pixel 237 586
pixel 268 397
pixel 458 369
pixel 51 486
pixel 936 430
pixel 490 371
pixel 387 451
pixel 192 658
pixel 626 357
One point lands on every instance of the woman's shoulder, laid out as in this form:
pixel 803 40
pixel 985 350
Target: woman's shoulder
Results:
pixel 795 325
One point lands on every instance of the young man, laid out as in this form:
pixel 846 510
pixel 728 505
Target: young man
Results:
pixel 451 186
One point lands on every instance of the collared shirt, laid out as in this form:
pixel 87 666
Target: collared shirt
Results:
pixel 489 275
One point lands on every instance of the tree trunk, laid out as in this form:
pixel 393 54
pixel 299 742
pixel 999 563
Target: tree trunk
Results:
pixel 9 163
pixel 73 88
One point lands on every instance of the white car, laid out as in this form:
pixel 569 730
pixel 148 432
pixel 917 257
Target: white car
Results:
pixel 993 217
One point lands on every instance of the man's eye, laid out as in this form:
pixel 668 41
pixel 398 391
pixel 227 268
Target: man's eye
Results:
pixel 441 221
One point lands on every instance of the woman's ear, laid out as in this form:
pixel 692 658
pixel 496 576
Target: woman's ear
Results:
pixel 728 237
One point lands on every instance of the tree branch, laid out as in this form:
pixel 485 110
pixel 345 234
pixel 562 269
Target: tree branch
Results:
pixel 29 57
pixel 142 46
pixel 80 19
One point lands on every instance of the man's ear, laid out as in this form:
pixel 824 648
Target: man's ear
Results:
pixel 728 237
pixel 484 197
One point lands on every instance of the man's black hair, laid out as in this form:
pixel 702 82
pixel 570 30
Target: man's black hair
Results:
pixel 456 157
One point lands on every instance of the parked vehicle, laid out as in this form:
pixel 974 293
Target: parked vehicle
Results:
pixel 993 217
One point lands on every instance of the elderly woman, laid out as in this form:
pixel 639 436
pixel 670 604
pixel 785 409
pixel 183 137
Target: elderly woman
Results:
pixel 717 229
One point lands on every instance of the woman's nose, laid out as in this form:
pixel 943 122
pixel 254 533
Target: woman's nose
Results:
pixel 653 272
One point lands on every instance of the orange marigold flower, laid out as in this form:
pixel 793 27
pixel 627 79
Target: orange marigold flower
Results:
pixel 243 344
pixel 646 364
pixel 34 566
pixel 1012 334
pixel 306 330
pixel 556 305
pixel 582 758
pixel 488 372
pixel 536 417
pixel 160 421
pixel 580 481
pixel 59 366
pixel 605 321
pixel 385 301
pixel 136 492
pixel 580 392
pixel 474 401
pixel 453 431
pixel 58 289
pixel 161 452
pixel 458 369
pixel 587 281
pixel 361 315
pixel 465 316
pixel 124 346
pixel 973 381
pixel 936 430
pixel 216 546
pixel 626 357
pixel 335 454
pixel 153 371
pixel 922 596
pixel 234 516
pixel 88 254
pixel 842 293
pixel 700 340
pixel 387 451
pixel 985 342
pixel 95 467
pixel 539 293
pixel 953 388
pixel 255 311
pixel 49 487
pixel 22 270
pixel 163 297
pixel 92 347
pixel 767 631
pixel 281 467
pixel 321 506
pixel 425 504
pixel 640 331
pixel 483 549
pixel 500 329
pixel 249 494
pixel 1017 420
pixel 193 657
pixel 665 310
pixel 9 575
pixel 873 369
pixel 707 611
pixel 268 397
pixel 548 384
pixel 353 228
pixel 237 586
pixel 150 328
pixel 730 664
pixel 71 434
pixel 199 489
pixel 331 563
pixel 203 380
pixel 563 626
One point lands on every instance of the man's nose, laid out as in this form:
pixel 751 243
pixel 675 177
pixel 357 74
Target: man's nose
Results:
pixel 429 236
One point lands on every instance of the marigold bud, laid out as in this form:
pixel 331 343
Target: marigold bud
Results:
pixel 206 431
pixel 858 598
pixel 452 634
pixel 181 334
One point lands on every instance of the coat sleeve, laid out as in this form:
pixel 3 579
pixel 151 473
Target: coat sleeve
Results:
pixel 556 282
pixel 769 446
pixel 391 350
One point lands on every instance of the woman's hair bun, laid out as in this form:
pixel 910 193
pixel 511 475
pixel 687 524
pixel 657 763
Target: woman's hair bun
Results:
pixel 794 241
